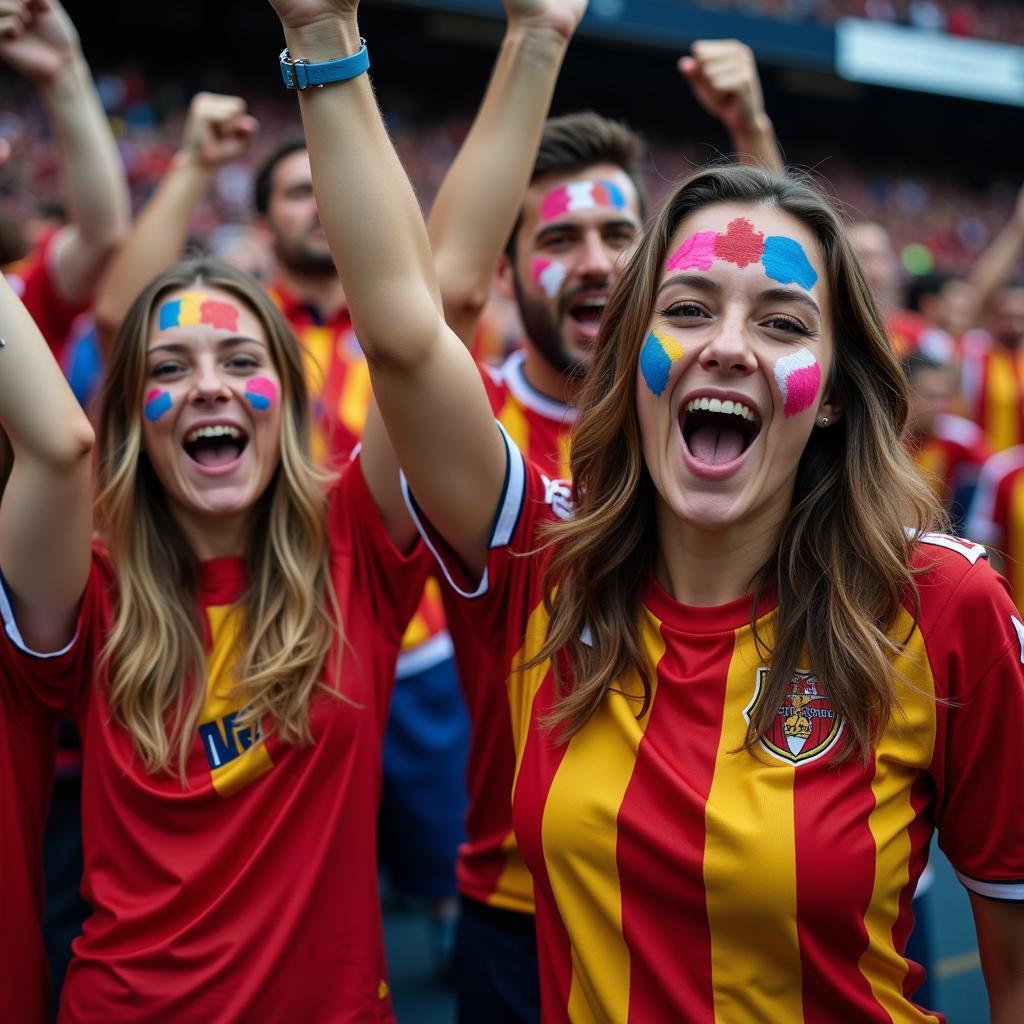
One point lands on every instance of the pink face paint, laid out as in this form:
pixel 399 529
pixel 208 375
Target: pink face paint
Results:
pixel 157 403
pixel 581 195
pixel 798 376
pixel 697 251
pixel 260 393
pixel 549 274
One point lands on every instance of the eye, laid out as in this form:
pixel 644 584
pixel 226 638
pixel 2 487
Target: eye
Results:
pixel 561 240
pixel 685 310
pixel 242 362
pixel 620 238
pixel 167 369
pixel 786 325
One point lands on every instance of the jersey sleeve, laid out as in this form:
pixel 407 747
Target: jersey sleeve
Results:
pixel 977 655
pixel 509 587
pixel 57 681
pixel 391 581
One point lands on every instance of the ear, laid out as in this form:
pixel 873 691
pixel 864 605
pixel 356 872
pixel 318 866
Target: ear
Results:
pixel 831 408
pixel 503 278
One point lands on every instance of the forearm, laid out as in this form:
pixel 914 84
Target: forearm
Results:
pixel 996 264
pixel 367 207
pixel 92 174
pixel 476 208
pixel 154 243
pixel 757 145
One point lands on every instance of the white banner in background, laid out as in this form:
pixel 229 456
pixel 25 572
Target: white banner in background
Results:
pixel 910 58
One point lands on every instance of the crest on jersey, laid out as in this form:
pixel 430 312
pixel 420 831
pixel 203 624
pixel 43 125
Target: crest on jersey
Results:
pixel 805 726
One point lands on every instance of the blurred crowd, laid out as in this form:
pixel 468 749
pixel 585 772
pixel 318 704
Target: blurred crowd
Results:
pixel 992 19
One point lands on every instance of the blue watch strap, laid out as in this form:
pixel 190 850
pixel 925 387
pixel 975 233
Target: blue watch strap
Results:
pixel 301 74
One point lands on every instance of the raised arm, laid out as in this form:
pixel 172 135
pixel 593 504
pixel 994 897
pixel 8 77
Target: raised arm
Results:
pixel 723 76
pixel 217 131
pixel 1000 928
pixel 996 265
pixel 46 50
pixel 46 509
pixel 426 384
pixel 476 208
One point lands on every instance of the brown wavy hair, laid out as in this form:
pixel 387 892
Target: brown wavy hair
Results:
pixel 289 614
pixel 842 564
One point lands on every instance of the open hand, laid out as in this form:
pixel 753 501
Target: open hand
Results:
pixel 723 76
pixel 37 38
pixel 562 16
pixel 218 129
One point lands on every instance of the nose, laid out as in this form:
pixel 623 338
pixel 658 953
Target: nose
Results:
pixel 729 350
pixel 596 259
pixel 208 384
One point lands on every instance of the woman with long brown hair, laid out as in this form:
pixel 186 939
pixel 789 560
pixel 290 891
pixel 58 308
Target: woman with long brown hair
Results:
pixel 746 682
pixel 227 650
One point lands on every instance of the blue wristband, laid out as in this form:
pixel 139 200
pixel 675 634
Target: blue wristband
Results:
pixel 301 74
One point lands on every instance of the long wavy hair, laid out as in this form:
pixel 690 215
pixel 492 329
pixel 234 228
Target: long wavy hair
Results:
pixel 289 614
pixel 842 565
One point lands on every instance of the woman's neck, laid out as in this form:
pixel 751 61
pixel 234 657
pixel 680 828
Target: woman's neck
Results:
pixel 705 568
pixel 214 536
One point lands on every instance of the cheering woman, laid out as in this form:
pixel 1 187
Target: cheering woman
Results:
pixel 227 650
pixel 746 682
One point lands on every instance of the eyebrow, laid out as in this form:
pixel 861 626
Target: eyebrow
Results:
pixel 180 347
pixel 708 286
pixel 622 222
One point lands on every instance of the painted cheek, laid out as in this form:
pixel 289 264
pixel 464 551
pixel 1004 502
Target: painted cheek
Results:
pixel 260 393
pixel 798 377
pixel 550 275
pixel 657 357
pixel 157 403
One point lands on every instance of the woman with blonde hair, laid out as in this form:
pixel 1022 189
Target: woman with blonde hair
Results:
pixel 746 682
pixel 227 650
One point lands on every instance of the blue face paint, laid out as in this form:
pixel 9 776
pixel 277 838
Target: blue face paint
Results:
pixel 157 403
pixel 170 314
pixel 785 261
pixel 660 351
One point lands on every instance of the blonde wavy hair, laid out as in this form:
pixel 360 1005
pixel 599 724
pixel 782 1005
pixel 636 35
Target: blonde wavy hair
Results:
pixel 289 613
pixel 842 565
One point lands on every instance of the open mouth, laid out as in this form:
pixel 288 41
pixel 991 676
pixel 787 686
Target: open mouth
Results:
pixel 585 315
pixel 215 446
pixel 717 431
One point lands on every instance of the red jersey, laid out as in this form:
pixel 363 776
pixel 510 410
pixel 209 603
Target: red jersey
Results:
pixel 677 875
pixel 250 894
pixel 992 386
pixel 34 283
pixel 490 868
pixel 951 457
pixel 336 371
pixel 27 742
pixel 997 514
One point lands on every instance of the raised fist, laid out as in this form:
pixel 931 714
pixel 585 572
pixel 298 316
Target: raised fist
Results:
pixel 723 76
pixel 37 38
pixel 218 129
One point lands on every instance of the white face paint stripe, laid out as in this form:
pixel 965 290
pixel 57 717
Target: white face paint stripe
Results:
pixel 551 278
pixel 787 364
pixel 581 195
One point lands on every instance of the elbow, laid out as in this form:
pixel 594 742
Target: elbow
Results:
pixel 74 447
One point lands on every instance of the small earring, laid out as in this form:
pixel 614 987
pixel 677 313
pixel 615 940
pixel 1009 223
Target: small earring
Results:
pixel 824 421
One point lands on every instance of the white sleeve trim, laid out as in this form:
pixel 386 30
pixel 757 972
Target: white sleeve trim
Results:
pixel 1011 891
pixel 11 628
pixel 509 507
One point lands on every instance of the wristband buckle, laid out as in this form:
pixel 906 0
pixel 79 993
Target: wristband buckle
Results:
pixel 302 74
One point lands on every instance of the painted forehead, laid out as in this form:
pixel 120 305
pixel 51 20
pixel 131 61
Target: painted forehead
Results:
pixel 589 194
pixel 192 308
pixel 782 258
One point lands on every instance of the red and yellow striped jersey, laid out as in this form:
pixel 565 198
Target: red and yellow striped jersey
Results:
pixel 951 457
pixel 997 514
pixel 490 868
pixel 992 386
pixel 679 876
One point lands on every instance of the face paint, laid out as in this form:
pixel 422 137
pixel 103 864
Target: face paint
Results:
pixel 193 308
pixel 581 195
pixel 549 274
pixel 660 351
pixel 798 376
pixel 157 403
pixel 783 259
pixel 260 393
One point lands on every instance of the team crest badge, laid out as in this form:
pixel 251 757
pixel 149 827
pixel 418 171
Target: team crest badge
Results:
pixel 805 727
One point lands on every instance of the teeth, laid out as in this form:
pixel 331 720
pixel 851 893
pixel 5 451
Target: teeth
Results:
pixel 727 407
pixel 217 431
